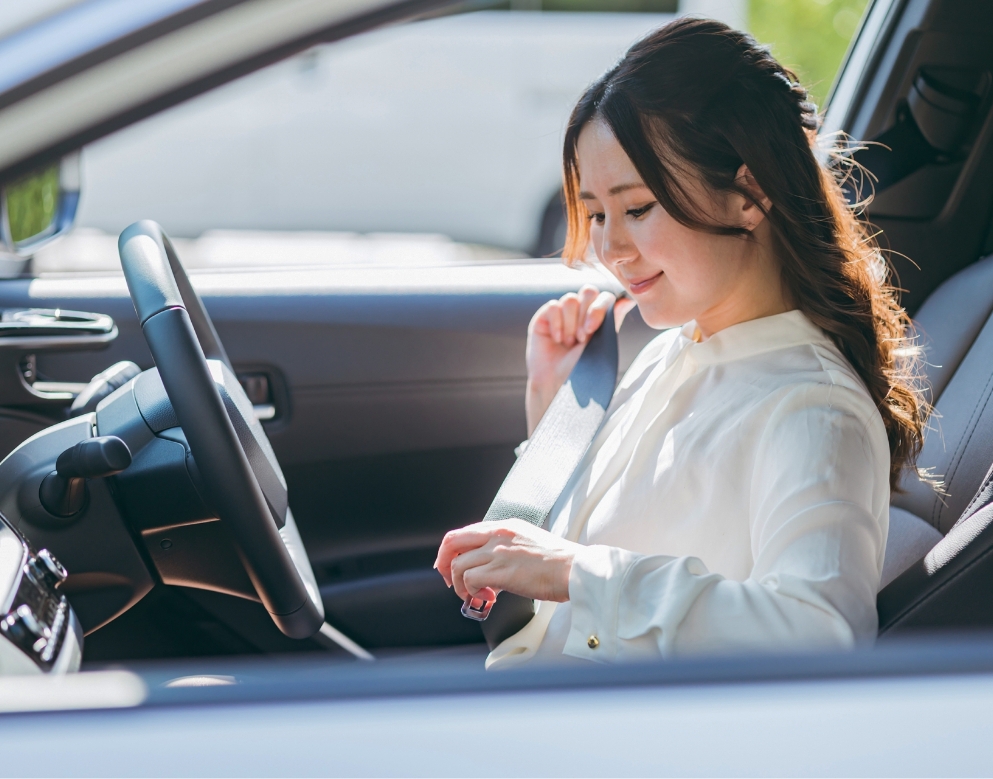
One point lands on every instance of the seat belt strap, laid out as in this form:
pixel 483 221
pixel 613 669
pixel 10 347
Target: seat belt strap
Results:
pixel 940 113
pixel 889 158
pixel 546 465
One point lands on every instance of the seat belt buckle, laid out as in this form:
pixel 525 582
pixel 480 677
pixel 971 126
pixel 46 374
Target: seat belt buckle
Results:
pixel 477 608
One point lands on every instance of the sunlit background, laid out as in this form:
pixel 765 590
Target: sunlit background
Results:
pixel 427 143
pixel 808 35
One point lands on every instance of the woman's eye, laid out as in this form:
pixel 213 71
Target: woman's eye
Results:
pixel 598 218
pixel 640 212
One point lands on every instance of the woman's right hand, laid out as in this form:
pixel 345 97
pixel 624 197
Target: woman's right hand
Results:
pixel 557 336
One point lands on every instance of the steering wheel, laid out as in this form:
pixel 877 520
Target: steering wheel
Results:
pixel 182 339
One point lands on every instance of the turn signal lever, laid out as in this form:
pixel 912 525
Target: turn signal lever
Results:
pixel 63 492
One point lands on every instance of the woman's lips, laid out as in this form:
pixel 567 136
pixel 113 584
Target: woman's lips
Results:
pixel 644 284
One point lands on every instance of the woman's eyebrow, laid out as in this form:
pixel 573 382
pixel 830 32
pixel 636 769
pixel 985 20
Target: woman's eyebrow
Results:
pixel 625 187
pixel 614 190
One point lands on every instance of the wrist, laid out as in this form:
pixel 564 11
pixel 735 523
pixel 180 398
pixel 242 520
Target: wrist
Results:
pixel 565 575
pixel 563 571
pixel 537 400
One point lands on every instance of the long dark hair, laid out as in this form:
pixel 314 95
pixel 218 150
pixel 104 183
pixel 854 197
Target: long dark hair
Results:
pixel 696 96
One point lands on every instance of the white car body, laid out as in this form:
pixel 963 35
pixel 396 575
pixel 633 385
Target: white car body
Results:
pixel 919 710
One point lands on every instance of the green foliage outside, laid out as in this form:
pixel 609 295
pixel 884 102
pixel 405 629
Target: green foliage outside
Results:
pixel 31 203
pixel 809 36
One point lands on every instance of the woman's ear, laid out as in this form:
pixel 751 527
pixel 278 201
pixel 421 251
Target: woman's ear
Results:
pixel 751 216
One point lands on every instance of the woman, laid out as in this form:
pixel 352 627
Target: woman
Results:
pixel 736 497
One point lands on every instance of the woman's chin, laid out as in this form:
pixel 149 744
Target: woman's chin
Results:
pixel 658 317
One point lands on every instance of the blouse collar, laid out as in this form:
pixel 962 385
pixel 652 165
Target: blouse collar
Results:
pixel 756 336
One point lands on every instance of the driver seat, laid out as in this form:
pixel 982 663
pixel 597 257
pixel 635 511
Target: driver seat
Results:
pixel 930 531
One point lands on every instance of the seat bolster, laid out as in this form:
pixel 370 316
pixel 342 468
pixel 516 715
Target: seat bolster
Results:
pixel 940 590
pixel 908 540
pixel 951 318
pixel 958 446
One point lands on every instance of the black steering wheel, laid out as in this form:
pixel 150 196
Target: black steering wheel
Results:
pixel 191 361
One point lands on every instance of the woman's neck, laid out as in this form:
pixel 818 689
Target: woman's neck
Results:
pixel 760 292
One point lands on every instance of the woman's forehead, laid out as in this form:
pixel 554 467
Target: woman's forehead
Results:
pixel 604 167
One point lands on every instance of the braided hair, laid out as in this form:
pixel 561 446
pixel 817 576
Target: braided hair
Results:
pixel 696 98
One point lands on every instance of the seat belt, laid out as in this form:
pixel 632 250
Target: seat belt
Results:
pixel 940 113
pixel 546 465
pixel 889 158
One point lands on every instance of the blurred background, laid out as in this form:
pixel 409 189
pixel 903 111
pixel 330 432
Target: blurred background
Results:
pixel 432 142
pixel 810 36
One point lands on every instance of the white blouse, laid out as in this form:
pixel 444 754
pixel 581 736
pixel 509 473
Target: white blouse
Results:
pixel 735 499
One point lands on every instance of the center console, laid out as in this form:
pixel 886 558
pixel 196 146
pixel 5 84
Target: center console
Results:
pixel 39 633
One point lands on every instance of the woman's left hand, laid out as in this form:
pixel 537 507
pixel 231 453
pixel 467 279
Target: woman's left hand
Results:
pixel 483 559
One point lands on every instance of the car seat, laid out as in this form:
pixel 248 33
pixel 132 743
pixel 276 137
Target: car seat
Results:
pixel 957 338
pixel 923 554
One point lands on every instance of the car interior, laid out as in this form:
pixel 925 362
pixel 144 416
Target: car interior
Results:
pixel 392 397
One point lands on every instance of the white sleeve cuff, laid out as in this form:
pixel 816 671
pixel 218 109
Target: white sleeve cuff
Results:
pixel 595 581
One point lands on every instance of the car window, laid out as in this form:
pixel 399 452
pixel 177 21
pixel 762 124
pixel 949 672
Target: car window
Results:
pixel 431 142
pixel 434 141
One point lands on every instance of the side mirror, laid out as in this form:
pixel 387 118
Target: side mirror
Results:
pixel 37 207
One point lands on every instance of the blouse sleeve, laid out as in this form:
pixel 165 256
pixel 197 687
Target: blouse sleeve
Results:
pixel 818 520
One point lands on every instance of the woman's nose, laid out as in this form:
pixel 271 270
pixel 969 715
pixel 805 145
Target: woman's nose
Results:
pixel 617 245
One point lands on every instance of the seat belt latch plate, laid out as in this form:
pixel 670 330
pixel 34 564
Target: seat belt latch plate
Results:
pixel 477 608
